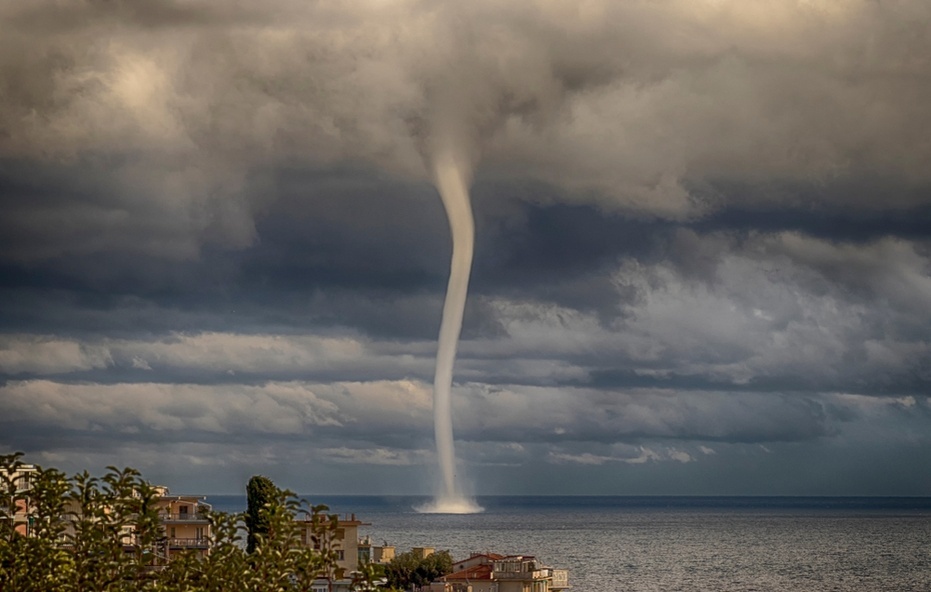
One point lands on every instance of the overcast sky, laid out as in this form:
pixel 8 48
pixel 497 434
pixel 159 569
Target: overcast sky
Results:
pixel 703 243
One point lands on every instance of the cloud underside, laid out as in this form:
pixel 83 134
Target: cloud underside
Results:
pixel 701 241
pixel 215 434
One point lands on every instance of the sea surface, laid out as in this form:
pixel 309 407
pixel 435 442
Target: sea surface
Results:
pixel 667 544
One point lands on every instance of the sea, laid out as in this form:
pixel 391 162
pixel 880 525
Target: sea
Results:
pixel 669 544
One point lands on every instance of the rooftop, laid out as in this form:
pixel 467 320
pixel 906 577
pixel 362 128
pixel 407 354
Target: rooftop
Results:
pixel 476 572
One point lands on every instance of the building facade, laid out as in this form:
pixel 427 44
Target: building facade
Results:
pixel 16 485
pixel 490 572
pixel 372 553
pixel 344 544
pixel 184 522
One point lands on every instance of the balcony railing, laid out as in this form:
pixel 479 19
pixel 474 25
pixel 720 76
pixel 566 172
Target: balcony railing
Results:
pixel 188 543
pixel 183 516
pixel 536 574
pixel 325 517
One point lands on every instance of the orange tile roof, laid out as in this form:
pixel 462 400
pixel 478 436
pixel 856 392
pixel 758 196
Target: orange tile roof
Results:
pixel 477 572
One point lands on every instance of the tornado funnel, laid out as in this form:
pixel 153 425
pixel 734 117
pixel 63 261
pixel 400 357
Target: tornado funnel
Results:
pixel 451 178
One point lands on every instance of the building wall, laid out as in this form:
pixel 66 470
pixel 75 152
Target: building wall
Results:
pixel 383 554
pixel 345 542
pixel 22 479
pixel 374 553
pixel 347 535
pixel 422 552
pixel 560 579
pixel 184 522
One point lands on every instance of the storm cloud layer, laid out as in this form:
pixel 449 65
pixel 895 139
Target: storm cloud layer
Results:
pixel 703 242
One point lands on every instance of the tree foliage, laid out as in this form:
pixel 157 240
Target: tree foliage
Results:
pixel 260 494
pixel 103 534
pixel 408 570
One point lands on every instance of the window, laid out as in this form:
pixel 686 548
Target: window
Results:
pixel 25 482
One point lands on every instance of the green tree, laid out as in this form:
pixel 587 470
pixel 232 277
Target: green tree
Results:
pixel 408 570
pixel 260 494
pixel 35 562
pixel 114 530
pixel 103 534
pixel 278 559
pixel 319 559
pixel 226 568
pixel 227 561
pixel 368 576
pixel 10 495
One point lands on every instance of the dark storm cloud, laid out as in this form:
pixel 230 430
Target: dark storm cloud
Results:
pixel 800 207
pixel 38 19
pixel 288 281
pixel 701 237
pixel 631 416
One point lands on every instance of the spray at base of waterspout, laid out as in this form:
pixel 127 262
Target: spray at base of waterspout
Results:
pixel 450 505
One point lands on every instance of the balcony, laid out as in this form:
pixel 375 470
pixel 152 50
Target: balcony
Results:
pixel 528 575
pixel 183 517
pixel 187 543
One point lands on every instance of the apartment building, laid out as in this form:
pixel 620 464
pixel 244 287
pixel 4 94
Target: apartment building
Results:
pixel 18 483
pixel 490 572
pixel 183 517
pixel 184 522
pixel 345 543
pixel 372 553
pixel 476 559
